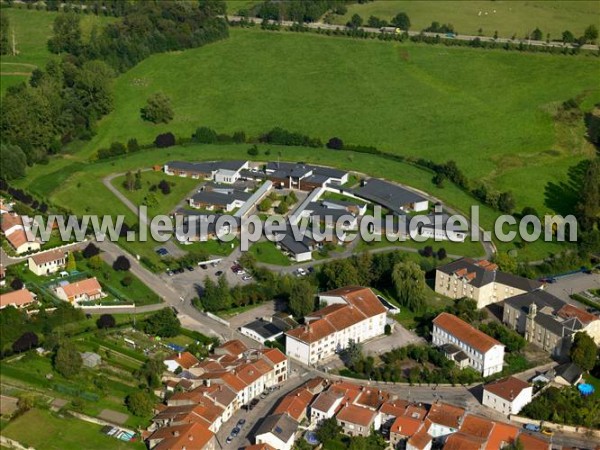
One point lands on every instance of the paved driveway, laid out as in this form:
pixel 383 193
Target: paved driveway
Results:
pixel 573 284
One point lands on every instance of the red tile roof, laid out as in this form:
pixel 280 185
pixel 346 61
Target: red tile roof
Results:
pixel 502 435
pixel 193 436
pixel 507 388
pixel 568 311
pixel 394 408
pixel 313 332
pixel 356 415
pixel 89 286
pixel 465 332
pixel 46 257
pixel 446 415
pixel 18 298
pixel 406 426
pixel 185 359
pixel 420 439
pixel 274 355
pixel 461 441
pixel 295 404
pixel 234 347
pixel 477 426
pixel 530 442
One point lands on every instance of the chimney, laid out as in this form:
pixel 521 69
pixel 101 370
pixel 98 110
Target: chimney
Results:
pixel 176 433
pixel 178 354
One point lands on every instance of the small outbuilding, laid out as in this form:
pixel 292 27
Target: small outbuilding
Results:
pixel 91 359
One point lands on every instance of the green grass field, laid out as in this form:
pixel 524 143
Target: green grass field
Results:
pixel 43 429
pixel 506 17
pixel 266 252
pixel 32 29
pixel 488 110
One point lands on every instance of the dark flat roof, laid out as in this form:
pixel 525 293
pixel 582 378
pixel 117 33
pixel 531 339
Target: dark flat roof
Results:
pixel 263 328
pixel 389 195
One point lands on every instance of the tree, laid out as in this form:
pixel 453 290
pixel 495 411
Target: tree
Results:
pixel 341 272
pixel 26 341
pixel 92 85
pixel 71 263
pixel 106 321
pixel 122 263
pixel 265 205
pixel 67 34
pixel 387 329
pixel 588 208
pixel 96 262
pixel 355 21
pixel 158 109
pixel 151 372
pixel 335 143
pixel 67 360
pixel 4 30
pixel 506 202
pixel 162 323
pixel 165 187
pixel 132 145
pixel 165 140
pixel 13 161
pixel 16 284
pixel 584 352
pixel 137 184
pixel 205 135
pixel 568 37
pixel 441 254
pixel 537 35
pixel 90 250
pixel 253 151
pixel 328 429
pixel 409 283
pixel 505 262
pixel 402 21
pixel 590 34
pixel 302 298
pixel 140 403
pixel 529 211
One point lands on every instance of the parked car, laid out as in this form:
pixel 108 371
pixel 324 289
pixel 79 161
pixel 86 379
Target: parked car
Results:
pixel 190 268
pixel 547 432
pixel 229 439
pixel 169 272
pixel 253 403
pixel 531 427
pixel 247 277
pixel 235 431
pixel 180 270
pixel 301 272
pixel 203 266
pixel 241 423
pixel 219 273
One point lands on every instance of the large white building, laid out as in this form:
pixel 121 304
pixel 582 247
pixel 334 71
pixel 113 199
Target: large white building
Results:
pixel 466 344
pixel 352 313
pixel 507 395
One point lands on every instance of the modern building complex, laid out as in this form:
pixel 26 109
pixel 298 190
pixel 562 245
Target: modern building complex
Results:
pixel 549 322
pixel 480 281
pixel 352 313
pixel 467 345
pixel 219 171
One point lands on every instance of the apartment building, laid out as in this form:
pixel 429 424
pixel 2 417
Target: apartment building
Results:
pixel 507 395
pixel 352 313
pixel 480 281
pixel 467 344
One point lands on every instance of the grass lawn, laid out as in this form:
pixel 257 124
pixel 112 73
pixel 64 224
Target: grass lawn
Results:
pixel 43 429
pixel 266 252
pixel 233 6
pixel 588 378
pixel 214 247
pixel 180 188
pixel 32 30
pixel 491 107
pixel 467 248
pixel 505 17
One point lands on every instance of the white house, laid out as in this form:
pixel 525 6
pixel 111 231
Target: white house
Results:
pixel 47 262
pixel 480 351
pixel 278 431
pixel 507 395
pixel 325 405
pixel 444 419
pixel 184 360
pixel 353 313
pixel 14 228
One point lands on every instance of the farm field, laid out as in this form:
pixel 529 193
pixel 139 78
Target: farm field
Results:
pixel 32 29
pixel 43 429
pixel 490 111
pixel 506 17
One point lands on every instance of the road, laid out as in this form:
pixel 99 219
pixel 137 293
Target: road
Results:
pixel 458 37
pixel 564 287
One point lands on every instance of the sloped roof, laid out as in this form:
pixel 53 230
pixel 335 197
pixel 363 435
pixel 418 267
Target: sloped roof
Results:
pixel 88 286
pixel 356 415
pixel 193 436
pixel 477 426
pixel 184 359
pixel 445 414
pixel 279 425
pixel 406 426
pixel 507 388
pixel 17 298
pixel 465 332
pixel 502 435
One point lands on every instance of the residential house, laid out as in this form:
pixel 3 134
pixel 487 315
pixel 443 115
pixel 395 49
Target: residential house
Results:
pixel 303 176
pixel 485 354
pixel 259 447
pixel 353 313
pixel 419 441
pixel 549 322
pixel 403 428
pixel 278 431
pixel 480 281
pixel 19 299
pixel 298 250
pixel 183 360
pixel 80 291
pixel 530 442
pixel 262 330
pixel 15 229
pixel 211 200
pixel 219 171
pixel 47 263
pixel 326 405
pixel 567 374
pixel 502 435
pixel 192 436
pixel 508 395
pixel 234 347
pixel 357 421
pixel 444 419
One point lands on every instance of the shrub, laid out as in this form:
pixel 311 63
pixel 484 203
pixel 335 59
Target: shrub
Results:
pixel 106 321
pixel 122 264
pixel 253 151
pixel 90 250
pixel 126 281
pixel 158 109
pixel 26 341
pixel 205 135
pixel 335 143
pixel 165 140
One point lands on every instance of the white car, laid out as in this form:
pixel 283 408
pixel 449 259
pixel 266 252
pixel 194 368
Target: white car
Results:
pixel 246 277
pixel 301 272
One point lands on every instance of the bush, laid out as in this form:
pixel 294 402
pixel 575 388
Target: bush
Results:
pixel 122 264
pixel 165 140
pixel 205 135
pixel 335 143
pixel 126 281
pixel 140 403
pixel 165 187
pixel 132 145
pixel 26 341
pixel 280 136
pixel 253 151
pixel 106 321
pixel 158 109
pixel 90 250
